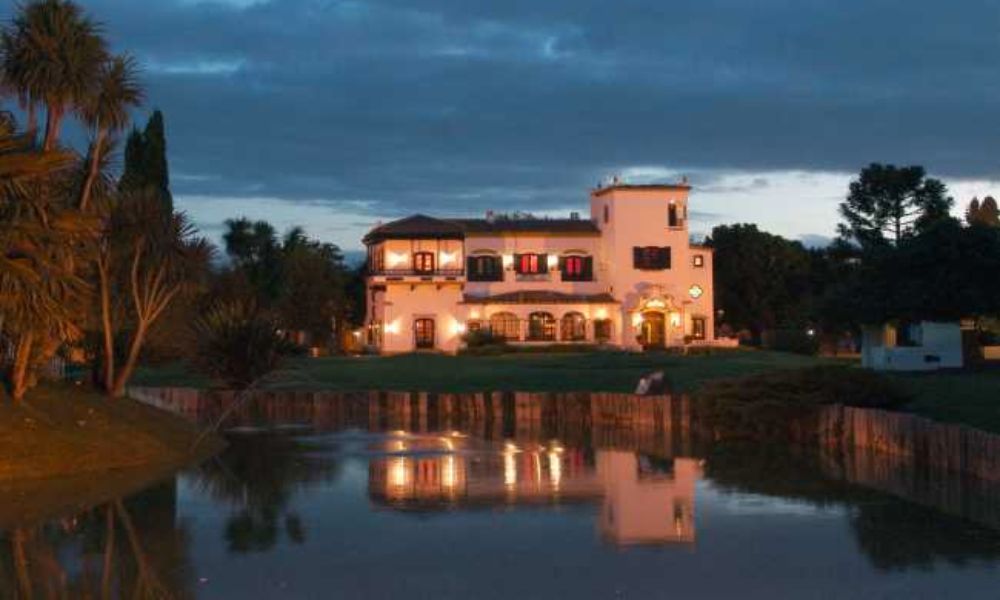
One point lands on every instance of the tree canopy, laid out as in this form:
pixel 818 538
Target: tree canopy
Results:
pixel 886 204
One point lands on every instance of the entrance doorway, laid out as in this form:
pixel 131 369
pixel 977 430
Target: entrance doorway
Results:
pixel 654 332
pixel 423 333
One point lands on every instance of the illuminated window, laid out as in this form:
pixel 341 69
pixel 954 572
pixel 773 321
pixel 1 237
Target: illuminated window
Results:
pixel 573 327
pixel 696 291
pixel 577 268
pixel 423 262
pixel 423 333
pixel 530 264
pixel 541 327
pixel 505 325
pixel 698 260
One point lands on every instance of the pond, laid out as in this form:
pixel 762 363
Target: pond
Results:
pixel 371 502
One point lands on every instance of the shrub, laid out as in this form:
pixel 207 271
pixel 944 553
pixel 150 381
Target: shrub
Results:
pixel 797 341
pixel 482 337
pixel 785 404
pixel 239 344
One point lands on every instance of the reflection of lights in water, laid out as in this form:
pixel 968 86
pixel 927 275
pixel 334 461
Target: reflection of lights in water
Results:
pixel 400 446
pixel 509 469
pixel 449 473
pixel 555 446
pixel 555 468
pixel 399 472
pixel 448 444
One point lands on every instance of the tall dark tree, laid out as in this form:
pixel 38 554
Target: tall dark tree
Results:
pixel 761 280
pixel 146 159
pixel 888 203
pixel 985 213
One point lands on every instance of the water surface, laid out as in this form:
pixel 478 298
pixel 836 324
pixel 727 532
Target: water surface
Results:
pixel 512 509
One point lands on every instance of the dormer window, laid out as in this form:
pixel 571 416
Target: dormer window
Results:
pixel 423 262
pixel 530 264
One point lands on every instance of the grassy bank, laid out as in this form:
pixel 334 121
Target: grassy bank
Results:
pixel 62 431
pixel 592 371
pixel 969 397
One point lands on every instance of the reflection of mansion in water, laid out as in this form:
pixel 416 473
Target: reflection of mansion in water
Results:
pixel 643 500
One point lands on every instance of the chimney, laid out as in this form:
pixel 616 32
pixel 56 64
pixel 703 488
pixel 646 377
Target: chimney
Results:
pixel 490 216
pixel 574 216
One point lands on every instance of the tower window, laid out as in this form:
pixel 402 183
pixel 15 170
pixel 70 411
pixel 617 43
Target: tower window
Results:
pixel 607 214
pixel 673 218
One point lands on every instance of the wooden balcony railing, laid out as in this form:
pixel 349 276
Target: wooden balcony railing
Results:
pixel 419 273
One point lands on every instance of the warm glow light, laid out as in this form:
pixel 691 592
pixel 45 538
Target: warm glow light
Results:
pixel 449 473
pixel 555 468
pixel 448 444
pixel 636 320
pixel 448 258
pixel 509 469
pixel 602 313
pixel 394 260
pixel 399 472
pixel 675 319
pixel 457 328
pixel 656 303
pixel 392 327
pixel 474 313
pixel 508 260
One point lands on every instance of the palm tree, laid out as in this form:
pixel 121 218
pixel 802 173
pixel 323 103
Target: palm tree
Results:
pixel 106 111
pixel 53 55
pixel 39 295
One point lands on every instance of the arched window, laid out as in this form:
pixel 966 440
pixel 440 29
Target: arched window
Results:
pixel 541 327
pixel 505 325
pixel 573 327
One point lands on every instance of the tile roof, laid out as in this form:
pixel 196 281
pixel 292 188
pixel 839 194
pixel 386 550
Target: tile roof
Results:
pixel 540 297
pixel 417 226
pixel 504 225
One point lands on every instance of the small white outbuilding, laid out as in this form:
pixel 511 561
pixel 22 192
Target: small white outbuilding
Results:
pixel 920 346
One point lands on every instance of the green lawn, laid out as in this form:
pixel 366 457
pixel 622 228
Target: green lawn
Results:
pixel 593 371
pixel 968 397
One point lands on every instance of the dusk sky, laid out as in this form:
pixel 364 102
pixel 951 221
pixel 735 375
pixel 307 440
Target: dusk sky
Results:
pixel 334 115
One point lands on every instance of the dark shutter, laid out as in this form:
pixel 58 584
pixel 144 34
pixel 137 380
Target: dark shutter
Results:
pixel 588 268
pixel 665 257
pixel 562 265
pixel 470 268
pixel 517 263
pixel 637 257
pixel 543 260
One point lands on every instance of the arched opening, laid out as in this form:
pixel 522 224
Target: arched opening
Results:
pixel 653 333
pixel 541 327
pixel 573 327
pixel 505 325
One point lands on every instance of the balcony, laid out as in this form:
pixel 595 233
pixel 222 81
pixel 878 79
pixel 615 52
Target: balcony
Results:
pixel 394 274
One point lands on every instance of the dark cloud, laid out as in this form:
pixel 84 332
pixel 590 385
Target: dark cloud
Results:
pixel 453 106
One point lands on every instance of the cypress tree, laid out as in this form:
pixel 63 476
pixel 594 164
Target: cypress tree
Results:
pixel 146 160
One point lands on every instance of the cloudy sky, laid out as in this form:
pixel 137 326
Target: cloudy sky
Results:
pixel 336 114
